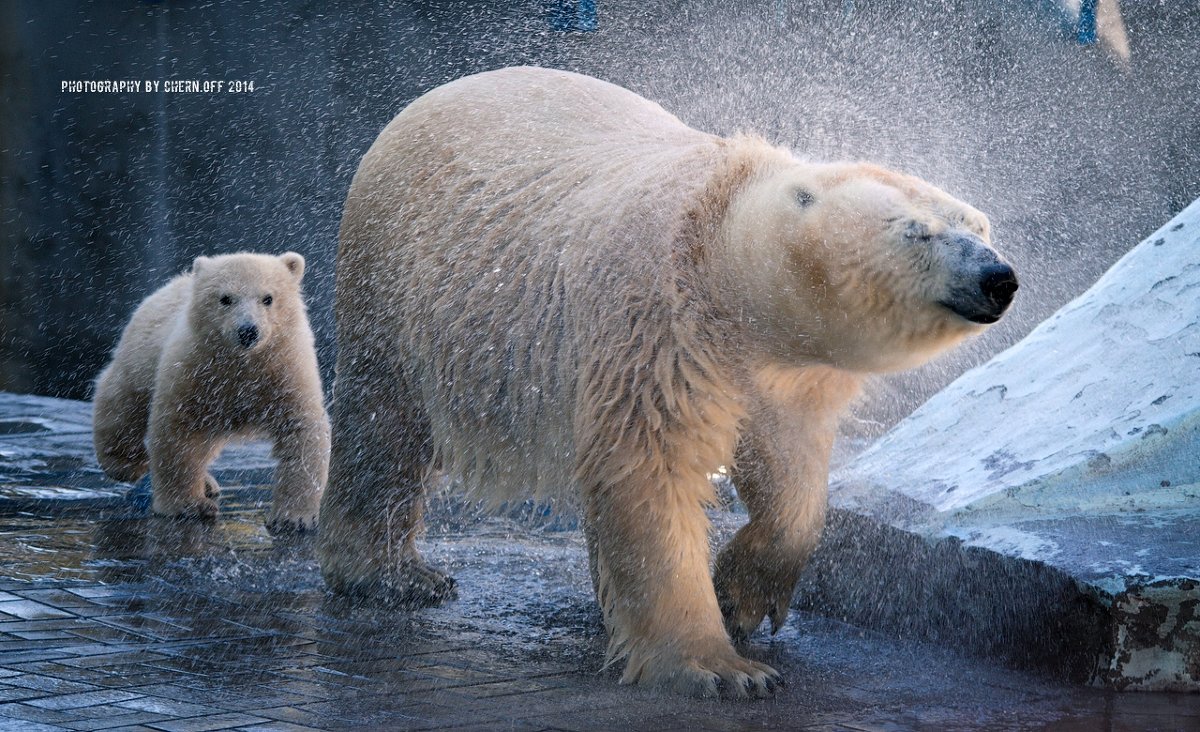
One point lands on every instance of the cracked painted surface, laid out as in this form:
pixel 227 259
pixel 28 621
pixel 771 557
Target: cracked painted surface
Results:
pixel 1156 643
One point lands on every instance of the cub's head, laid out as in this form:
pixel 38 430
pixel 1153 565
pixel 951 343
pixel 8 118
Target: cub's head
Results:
pixel 861 268
pixel 244 302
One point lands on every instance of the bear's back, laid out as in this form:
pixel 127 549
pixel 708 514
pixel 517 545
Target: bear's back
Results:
pixel 142 341
pixel 553 109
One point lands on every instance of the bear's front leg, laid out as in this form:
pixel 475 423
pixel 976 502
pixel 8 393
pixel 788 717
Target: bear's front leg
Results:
pixel 371 509
pixel 650 535
pixel 302 447
pixel 179 457
pixel 781 471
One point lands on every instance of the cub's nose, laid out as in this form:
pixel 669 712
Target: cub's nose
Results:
pixel 247 334
pixel 999 285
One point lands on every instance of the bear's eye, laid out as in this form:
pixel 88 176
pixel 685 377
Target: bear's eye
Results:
pixel 226 300
pixel 804 199
pixel 916 231
pixel 268 300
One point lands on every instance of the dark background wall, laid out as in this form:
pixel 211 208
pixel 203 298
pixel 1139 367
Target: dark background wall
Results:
pixel 104 196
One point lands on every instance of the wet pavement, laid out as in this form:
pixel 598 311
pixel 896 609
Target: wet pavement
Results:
pixel 111 619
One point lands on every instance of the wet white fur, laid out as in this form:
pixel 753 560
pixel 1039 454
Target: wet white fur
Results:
pixel 180 386
pixel 548 286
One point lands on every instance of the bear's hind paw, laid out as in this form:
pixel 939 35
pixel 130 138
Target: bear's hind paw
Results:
pixel 278 524
pixel 212 488
pixel 416 584
pixel 204 509
pixel 409 584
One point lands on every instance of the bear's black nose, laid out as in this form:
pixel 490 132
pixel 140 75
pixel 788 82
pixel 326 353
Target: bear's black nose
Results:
pixel 247 334
pixel 999 284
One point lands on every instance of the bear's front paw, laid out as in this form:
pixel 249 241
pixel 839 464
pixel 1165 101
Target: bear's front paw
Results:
pixel 410 584
pixel 203 509
pixel 751 585
pixel 280 522
pixel 416 584
pixel 719 674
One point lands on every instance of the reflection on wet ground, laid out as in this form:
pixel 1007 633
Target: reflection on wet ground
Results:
pixel 111 619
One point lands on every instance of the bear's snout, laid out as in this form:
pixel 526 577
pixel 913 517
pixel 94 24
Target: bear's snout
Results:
pixel 999 285
pixel 982 284
pixel 247 334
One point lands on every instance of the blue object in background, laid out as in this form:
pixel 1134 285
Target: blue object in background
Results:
pixel 1085 32
pixel 138 497
pixel 573 15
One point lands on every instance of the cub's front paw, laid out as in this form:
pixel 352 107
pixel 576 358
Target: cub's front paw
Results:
pixel 720 673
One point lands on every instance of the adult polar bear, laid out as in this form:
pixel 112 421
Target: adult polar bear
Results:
pixel 548 282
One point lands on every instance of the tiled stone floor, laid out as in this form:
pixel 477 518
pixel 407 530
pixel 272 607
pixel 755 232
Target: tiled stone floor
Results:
pixel 110 619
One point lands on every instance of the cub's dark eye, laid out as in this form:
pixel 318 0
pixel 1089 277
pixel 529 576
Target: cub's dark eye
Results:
pixel 804 199
pixel 226 300
pixel 268 300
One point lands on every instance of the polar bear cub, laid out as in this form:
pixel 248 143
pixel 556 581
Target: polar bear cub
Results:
pixel 221 352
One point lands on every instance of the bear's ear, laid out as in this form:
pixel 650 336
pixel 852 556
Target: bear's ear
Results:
pixel 295 264
pixel 199 263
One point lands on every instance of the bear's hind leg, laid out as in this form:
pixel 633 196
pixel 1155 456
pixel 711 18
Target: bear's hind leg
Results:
pixel 120 417
pixel 371 509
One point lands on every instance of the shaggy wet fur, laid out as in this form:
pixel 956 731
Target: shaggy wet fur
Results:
pixel 180 386
pixel 550 287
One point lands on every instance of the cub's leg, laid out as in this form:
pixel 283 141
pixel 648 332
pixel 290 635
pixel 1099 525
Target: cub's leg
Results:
pixel 302 447
pixel 120 417
pixel 781 472
pixel 371 509
pixel 649 535
pixel 179 460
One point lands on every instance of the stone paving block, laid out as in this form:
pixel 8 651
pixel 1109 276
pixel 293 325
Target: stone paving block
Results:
pixel 292 714
pixel 208 723
pixel 84 699
pixel 16 694
pixel 57 670
pixel 498 726
pixel 17 626
pixel 56 635
pixel 14 725
pixel 277 726
pixel 168 707
pixel 33 713
pixel 107 717
pixel 49 684
pixel 30 610
pixel 249 701
pixel 508 687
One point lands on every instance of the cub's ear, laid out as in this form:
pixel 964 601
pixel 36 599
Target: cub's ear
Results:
pixel 199 263
pixel 295 264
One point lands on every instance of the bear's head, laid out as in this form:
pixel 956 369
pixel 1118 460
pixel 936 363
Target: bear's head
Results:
pixel 859 267
pixel 244 302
